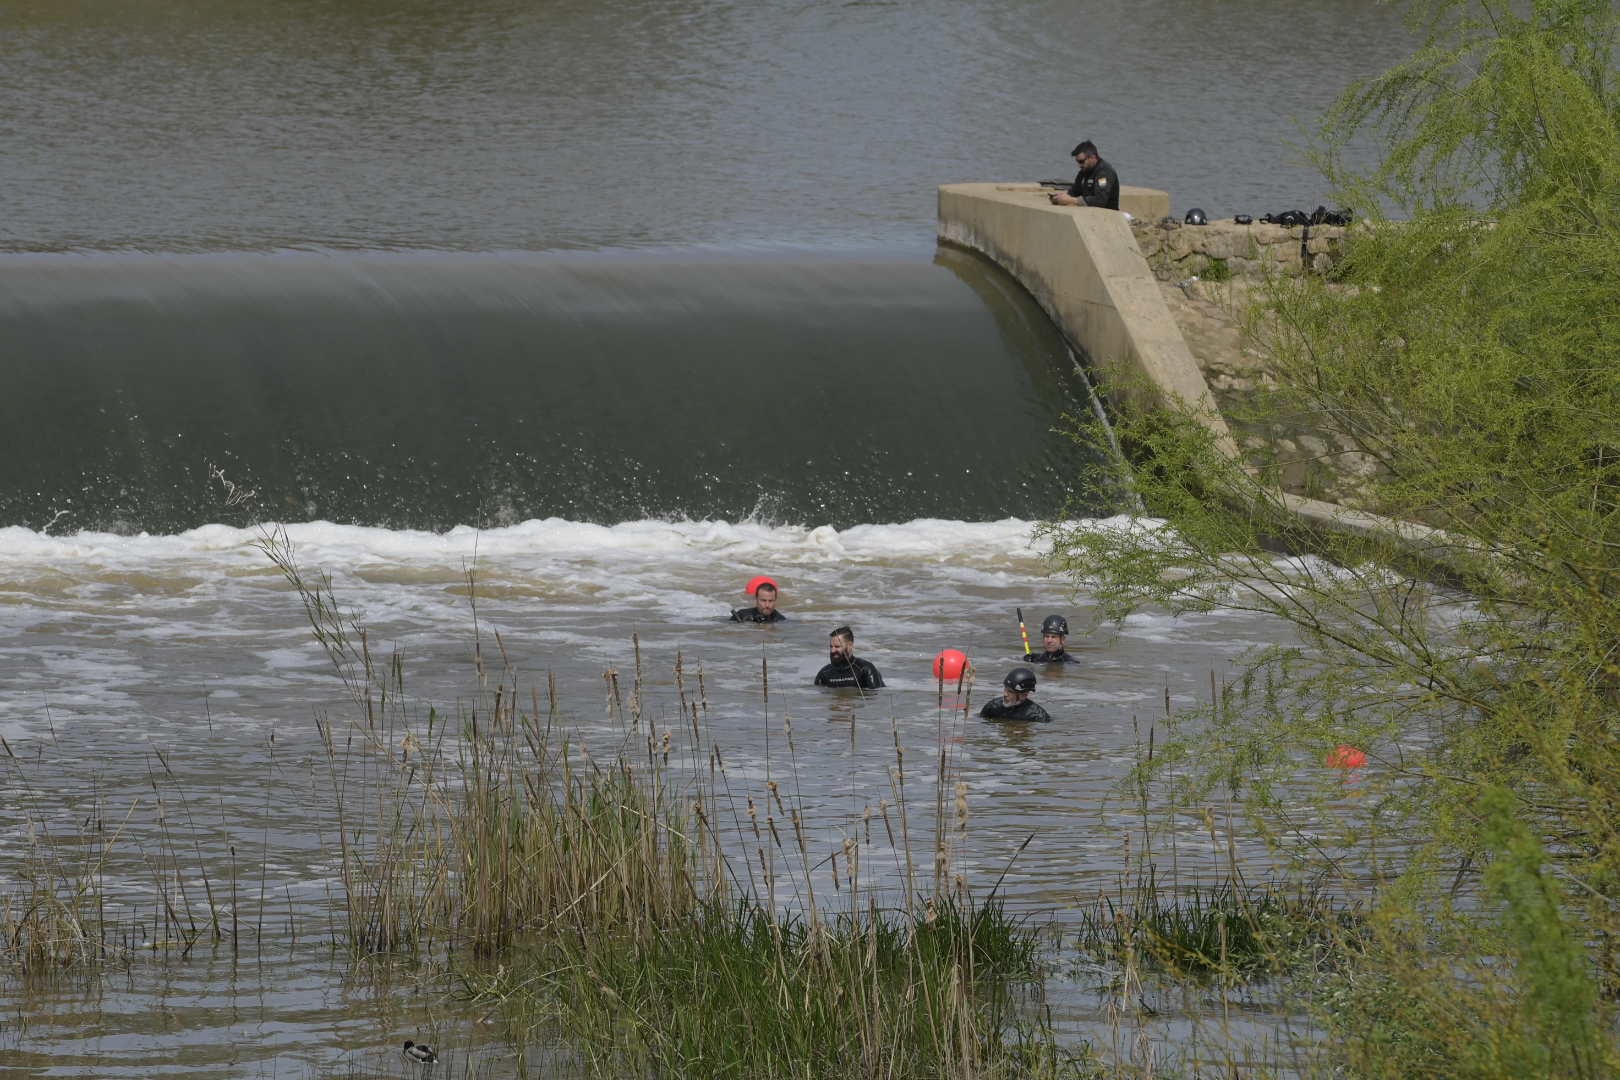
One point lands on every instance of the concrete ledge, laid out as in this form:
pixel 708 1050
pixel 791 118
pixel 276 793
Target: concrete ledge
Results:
pixel 1083 266
pixel 1143 204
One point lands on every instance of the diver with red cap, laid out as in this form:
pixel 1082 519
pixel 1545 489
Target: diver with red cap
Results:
pixel 763 590
pixel 1014 703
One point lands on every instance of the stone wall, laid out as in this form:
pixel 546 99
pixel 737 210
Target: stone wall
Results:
pixel 1224 249
pixel 1214 312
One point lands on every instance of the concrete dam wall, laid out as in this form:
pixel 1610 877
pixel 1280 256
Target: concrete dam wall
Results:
pixel 1088 271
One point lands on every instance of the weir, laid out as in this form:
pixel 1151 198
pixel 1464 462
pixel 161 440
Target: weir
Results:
pixel 430 390
pixel 1084 267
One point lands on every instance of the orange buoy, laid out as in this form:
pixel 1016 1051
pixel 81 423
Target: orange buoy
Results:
pixel 950 663
pixel 1346 756
pixel 755 582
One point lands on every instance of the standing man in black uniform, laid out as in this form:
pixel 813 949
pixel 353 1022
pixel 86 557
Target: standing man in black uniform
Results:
pixel 1014 703
pixel 846 669
pixel 1096 184
pixel 1054 631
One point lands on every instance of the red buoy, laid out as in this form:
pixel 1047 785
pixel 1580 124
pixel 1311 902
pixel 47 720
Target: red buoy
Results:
pixel 949 664
pixel 755 582
pixel 1346 756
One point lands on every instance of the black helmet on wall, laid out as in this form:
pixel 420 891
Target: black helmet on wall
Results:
pixel 1021 679
pixel 1055 624
pixel 1195 216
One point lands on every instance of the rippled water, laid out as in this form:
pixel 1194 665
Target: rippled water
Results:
pixel 498 124
pixel 172 682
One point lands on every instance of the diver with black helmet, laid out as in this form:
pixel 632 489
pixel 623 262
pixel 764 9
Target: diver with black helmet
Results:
pixel 1054 632
pixel 1014 703
pixel 1096 184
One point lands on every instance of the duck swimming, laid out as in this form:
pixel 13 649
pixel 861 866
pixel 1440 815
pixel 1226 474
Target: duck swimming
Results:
pixel 422 1055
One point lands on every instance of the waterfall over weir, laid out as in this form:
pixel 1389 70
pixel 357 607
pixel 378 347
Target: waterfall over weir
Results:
pixel 429 390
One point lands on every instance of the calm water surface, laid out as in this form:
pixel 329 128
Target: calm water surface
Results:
pixel 615 306
pixel 502 124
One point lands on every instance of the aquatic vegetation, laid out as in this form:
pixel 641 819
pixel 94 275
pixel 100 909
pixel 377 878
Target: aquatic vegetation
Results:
pixel 50 921
pixel 1229 932
pixel 1465 638
pixel 740 990
pixel 58 909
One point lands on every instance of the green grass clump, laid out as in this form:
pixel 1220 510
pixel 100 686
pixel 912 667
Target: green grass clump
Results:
pixel 1227 932
pixel 982 936
pixel 739 990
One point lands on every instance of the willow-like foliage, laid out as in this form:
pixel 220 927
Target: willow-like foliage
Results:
pixel 1470 641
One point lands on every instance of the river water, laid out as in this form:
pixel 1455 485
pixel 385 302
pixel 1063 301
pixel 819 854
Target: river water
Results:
pixel 610 307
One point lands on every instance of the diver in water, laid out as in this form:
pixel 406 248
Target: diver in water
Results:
pixel 1054 631
pixel 764 609
pixel 846 669
pixel 1014 703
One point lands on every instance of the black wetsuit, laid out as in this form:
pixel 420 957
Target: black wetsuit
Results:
pixel 1059 657
pixel 751 614
pixel 998 709
pixel 1097 186
pixel 854 672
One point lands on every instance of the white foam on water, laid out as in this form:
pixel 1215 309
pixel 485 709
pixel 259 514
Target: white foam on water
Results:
pixel 215 582
pixel 532 543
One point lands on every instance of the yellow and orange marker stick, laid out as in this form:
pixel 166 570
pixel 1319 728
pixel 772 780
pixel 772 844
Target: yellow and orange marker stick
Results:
pixel 1023 632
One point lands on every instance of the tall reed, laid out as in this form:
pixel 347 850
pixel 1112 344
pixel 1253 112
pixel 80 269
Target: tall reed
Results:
pixel 51 904
pixel 90 888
